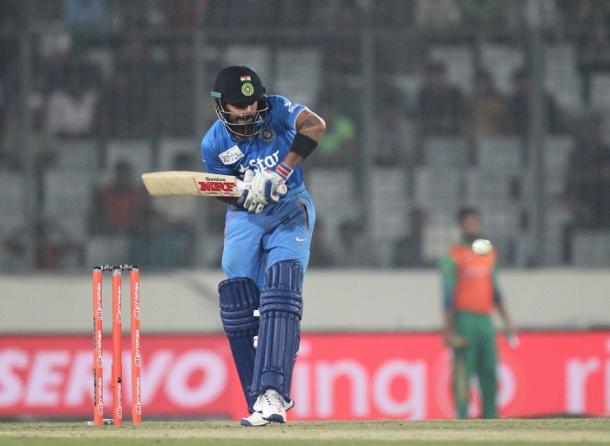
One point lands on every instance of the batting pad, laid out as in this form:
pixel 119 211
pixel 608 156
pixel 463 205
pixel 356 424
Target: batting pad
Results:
pixel 238 299
pixel 279 334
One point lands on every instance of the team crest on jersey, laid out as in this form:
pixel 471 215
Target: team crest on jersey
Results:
pixel 231 156
pixel 267 134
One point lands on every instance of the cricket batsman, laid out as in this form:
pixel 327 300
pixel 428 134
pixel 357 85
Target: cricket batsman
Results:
pixel 471 292
pixel 262 139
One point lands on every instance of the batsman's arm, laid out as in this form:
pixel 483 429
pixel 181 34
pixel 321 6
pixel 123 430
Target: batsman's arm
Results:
pixel 310 127
pixel 213 164
pixel 268 184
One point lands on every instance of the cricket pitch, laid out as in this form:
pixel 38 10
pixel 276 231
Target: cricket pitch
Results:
pixel 584 431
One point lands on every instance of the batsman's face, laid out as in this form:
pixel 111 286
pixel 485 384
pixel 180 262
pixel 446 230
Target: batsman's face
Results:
pixel 471 225
pixel 242 114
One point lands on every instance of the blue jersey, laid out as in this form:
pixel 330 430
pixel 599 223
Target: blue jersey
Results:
pixel 225 154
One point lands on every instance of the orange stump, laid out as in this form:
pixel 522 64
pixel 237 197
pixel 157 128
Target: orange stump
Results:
pixel 136 357
pixel 117 365
pixel 98 369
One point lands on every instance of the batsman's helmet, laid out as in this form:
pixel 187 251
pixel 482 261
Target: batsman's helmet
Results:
pixel 240 85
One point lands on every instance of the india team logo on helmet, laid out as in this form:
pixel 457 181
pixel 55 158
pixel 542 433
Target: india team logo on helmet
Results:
pixel 247 89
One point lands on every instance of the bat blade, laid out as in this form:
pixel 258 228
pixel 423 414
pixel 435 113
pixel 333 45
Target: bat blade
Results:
pixel 174 182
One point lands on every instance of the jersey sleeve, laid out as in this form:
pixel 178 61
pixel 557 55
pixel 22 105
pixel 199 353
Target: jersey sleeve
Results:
pixel 209 156
pixel 448 270
pixel 285 112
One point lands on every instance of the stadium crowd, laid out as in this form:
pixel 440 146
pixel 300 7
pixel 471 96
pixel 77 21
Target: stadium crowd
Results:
pixel 452 78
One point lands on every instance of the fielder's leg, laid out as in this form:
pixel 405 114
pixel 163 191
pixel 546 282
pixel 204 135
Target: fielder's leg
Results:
pixel 239 297
pixel 464 360
pixel 486 369
pixel 281 307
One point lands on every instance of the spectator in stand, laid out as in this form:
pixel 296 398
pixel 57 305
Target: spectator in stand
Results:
pixel 336 146
pixel 392 135
pixel 342 59
pixel 519 107
pixel 588 187
pixel 177 91
pixel 129 106
pixel 43 144
pixel 489 111
pixel 57 41
pixel 71 108
pixel 441 106
pixel 119 207
pixel 54 246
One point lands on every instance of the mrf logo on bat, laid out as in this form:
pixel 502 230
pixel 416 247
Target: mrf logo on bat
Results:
pixel 216 184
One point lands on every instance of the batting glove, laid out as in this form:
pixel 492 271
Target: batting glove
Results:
pixel 267 187
pixel 244 186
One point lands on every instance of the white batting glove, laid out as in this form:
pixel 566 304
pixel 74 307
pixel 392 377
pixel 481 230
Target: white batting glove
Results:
pixel 244 186
pixel 267 187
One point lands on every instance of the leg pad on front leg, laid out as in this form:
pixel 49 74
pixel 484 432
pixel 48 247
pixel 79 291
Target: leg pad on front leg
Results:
pixel 239 297
pixel 279 335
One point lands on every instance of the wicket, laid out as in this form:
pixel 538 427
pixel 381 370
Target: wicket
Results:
pixel 117 366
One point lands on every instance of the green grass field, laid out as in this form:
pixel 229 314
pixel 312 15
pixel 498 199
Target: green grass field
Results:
pixel 590 431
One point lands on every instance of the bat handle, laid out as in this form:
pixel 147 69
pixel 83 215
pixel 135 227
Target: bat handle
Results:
pixel 282 189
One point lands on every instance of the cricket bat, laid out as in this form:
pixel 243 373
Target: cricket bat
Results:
pixel 199 184
pixel 174 182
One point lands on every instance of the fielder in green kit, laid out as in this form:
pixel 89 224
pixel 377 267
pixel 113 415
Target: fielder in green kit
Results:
pixel 470 294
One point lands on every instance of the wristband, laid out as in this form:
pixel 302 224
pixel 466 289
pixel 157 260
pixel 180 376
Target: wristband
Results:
pixel 284 170
pixel 303 145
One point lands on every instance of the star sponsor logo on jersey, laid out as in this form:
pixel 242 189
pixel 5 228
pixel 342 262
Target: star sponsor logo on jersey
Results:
pixel 231 156
pixel 257 164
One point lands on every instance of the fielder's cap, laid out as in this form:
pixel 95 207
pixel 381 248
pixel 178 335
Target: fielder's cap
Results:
pixel 238 85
